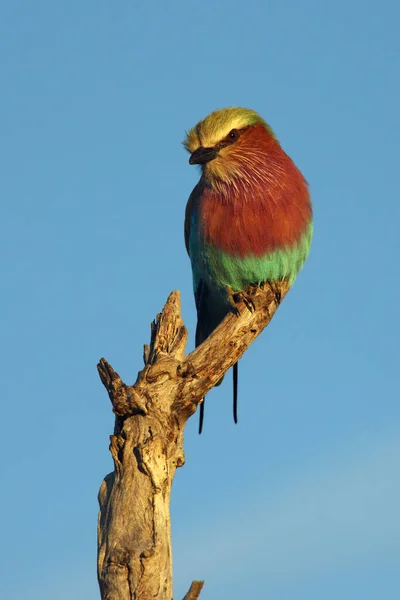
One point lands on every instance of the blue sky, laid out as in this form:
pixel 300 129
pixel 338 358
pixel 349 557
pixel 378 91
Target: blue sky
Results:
pixel 300 500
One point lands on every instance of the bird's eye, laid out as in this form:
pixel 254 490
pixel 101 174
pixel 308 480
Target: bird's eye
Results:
pixel 233 135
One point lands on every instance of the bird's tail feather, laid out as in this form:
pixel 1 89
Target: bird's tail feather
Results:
pixel 235 391
pixel 235 398
pixel 201 416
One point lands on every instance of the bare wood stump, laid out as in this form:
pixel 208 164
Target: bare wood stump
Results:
pixel 134 533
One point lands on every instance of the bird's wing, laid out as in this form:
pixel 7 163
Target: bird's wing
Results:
pixel 200 297
pixel 208 315
pixel 201 293
pixel 192 205
pixel 188 218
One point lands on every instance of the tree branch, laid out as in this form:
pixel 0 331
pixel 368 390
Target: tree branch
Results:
pixel 134 538
pixel 194 591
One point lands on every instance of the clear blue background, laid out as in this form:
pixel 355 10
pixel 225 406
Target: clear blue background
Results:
pixel 300 501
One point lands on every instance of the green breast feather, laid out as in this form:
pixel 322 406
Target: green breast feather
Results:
pixel 220 269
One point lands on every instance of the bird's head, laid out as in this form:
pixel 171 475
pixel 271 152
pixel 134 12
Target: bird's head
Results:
pixel 229 142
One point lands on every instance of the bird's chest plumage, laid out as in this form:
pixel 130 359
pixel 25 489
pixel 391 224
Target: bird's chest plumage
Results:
pixel 220 267
pixel 247 238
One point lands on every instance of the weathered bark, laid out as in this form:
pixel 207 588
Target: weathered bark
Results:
pixel 134 534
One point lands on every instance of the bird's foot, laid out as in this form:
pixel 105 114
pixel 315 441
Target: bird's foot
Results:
pixel 237 297
pixel 274 287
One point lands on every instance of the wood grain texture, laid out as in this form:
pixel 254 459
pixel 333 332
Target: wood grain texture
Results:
pixel 134 533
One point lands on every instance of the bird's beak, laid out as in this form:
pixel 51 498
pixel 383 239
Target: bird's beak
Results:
pixel 201 156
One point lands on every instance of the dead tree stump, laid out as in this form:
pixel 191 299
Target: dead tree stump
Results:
pixel 134 531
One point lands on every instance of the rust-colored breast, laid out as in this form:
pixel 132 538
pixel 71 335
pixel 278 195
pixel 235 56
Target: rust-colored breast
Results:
pixel 267 209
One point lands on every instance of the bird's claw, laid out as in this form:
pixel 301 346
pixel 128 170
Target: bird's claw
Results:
pixel 247 301
pixel 245 296
pixel 237 297
pixel 276 291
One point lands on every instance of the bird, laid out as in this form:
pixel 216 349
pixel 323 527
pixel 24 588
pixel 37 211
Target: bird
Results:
pixel 249 218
